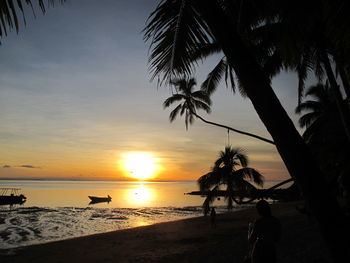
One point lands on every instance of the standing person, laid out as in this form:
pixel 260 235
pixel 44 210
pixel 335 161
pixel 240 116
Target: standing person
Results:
pixel 213 217
pixel 263 235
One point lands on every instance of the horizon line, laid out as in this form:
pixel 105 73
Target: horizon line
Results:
pixel 87 179
pixel 100 179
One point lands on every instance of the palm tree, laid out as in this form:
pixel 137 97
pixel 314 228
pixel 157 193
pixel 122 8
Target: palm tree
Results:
pixel 178 28
pixel 302 42
pixel 230 169
pixel 193 100
pixel 324 133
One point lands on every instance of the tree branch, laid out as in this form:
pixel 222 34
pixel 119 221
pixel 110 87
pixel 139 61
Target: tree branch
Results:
pixel 233 129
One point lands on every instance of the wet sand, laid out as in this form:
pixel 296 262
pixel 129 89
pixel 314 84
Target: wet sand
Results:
pixel 188 240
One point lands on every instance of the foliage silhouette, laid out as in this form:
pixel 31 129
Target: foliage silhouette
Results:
pixel 230 169
pixel 326 138
pixel 193 100
pixel 9 9
pixel 231 25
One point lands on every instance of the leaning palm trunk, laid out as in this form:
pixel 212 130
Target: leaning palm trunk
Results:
pixel 233 129
pixel 290 145
pixel 269 190
pixel 257 193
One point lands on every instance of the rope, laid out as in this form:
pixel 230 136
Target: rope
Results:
pixel 228 137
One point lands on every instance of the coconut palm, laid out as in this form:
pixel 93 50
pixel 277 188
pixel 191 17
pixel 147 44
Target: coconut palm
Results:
pixel 324 133
pixel 177 28
pixel 193 100
pixel 231 170
pixel 314 52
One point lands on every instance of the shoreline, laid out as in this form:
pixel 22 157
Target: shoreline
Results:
pixel 185 240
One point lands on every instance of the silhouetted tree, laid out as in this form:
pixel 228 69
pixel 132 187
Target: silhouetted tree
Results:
pixel 325 136
pixel 178 28
pixel 231 170
pixel 191 101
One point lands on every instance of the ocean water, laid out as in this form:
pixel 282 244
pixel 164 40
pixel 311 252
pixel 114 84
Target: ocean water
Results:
pixel 57 210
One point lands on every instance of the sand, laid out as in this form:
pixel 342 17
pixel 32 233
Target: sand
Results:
pixel 189 240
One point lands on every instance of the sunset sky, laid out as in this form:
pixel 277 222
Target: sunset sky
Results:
pixel 76 100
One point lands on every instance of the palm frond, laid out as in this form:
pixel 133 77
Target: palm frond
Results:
pixel 174 113
pixel 303 69
pixel 9 9
pixel 209 180
pixel 320 91
pixel 203 96
pixel 201 105
pixel 176 31
pixel 205 50
pixel 214 77
pixel 318 107
pixel 309 105
pixel 250 174
pixel 172 99
pixel 307 119
pixel 243 159
pixel 273 64
pixel 230 72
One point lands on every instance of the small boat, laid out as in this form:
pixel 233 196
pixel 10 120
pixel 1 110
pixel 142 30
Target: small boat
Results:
pixel 10 196
pixel 96 199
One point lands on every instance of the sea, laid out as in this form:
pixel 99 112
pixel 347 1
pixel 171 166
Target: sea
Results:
pixel 57 210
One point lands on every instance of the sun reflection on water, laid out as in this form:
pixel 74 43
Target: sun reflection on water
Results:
pixel 141 195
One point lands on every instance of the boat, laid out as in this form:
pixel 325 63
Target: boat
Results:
pixel 11 196
pixel 96 199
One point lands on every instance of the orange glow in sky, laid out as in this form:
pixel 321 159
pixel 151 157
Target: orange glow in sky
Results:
pixel 88 111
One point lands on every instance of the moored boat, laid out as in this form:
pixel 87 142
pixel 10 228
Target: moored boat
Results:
pixel 11 196
pixel 96 199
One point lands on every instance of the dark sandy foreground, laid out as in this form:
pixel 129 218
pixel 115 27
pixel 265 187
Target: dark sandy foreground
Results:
pixel 189 240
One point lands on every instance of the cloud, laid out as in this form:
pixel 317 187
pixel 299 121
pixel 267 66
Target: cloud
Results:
pixel 28 166
pixel 21 166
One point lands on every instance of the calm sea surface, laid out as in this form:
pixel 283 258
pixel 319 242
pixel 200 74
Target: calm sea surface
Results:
pixel 57 210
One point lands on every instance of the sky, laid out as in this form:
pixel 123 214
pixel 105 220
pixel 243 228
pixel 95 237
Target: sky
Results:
pixel 76 102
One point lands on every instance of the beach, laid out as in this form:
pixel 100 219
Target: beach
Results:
pixel 187 240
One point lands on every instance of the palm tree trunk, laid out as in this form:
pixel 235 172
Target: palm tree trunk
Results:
pixel 336 94
pixel 293 150
pixel 233 129
pixel 268 190
pixel 219 193
pixel 280 184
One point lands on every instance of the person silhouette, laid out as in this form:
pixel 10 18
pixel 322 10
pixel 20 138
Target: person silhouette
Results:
pixel 213 217
pixel 263 234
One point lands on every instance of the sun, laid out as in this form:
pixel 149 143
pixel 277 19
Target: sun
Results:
pixel 140 165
